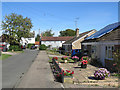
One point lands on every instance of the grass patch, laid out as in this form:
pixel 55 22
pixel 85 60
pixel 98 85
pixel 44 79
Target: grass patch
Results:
pixel 4 56
pixel 60 60
pixel 53 52
pixel 16 51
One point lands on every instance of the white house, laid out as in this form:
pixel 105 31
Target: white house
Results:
pixel 30 40
pixel 54 42
pixel 102 45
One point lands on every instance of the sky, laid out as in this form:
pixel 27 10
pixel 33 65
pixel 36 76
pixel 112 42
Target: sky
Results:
pixel 59 16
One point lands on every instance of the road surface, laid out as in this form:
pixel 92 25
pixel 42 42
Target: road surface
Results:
pixel 15 66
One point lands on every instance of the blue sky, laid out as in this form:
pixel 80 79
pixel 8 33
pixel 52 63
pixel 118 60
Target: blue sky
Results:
pixel 62 15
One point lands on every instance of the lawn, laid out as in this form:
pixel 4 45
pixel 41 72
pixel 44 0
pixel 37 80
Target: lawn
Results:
pixel 60 60
pixel 4 56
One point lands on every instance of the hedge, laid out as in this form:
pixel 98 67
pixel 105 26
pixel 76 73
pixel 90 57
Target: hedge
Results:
pixel 42 47
pixel 15 47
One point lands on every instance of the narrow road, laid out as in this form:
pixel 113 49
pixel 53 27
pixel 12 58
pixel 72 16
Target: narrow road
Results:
pixel 39 75
pixel 15 66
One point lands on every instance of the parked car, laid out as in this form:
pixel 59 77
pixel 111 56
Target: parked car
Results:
pixel 33 47
pixel 23 47
pixel 3 48
pixel 76 52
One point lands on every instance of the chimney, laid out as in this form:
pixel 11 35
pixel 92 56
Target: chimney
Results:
pixel 77 32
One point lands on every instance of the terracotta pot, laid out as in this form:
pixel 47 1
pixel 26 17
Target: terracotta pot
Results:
pixel 83 65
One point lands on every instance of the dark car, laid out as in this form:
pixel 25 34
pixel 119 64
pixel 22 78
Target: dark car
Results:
pixel 3 48
pixel 33 47
pixel 76 52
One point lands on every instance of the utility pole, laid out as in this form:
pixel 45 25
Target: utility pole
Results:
pixel 39 38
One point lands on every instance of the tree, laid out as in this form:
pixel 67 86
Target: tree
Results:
pixel 37 38
pixel 67 32
pixel 16 27
pixel 47 33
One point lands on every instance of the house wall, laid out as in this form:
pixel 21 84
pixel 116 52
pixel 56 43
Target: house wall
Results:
pixel 109 63
pixel 27 41
pixel 54 44
pixel 100 52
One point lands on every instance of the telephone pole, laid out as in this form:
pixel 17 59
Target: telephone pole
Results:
pixel 39 38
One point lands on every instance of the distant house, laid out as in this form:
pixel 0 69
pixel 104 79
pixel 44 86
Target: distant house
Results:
pixel 102 44
pixel 30 40
pixel 4 40
pixel 37 43
pixel 54 42
pixel 75 42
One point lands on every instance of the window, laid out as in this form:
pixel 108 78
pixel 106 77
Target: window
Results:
pixel 93 51
pixel 85 47
pixel 109 52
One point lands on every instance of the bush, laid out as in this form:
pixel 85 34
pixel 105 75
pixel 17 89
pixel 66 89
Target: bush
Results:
pixel 15 48
pixel 29 45
pixel 102 73
pixel 42 47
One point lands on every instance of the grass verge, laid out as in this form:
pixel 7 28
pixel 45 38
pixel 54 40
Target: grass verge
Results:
pixel 4 56
pixel 17 51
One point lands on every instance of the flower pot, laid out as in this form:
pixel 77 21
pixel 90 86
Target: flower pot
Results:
pixel 68 79
pixel 83 65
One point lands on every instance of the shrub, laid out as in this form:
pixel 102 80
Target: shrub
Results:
pixel 29 45
pixel 64 58
pixel 15 48
pixel 42 47
pixel 101 74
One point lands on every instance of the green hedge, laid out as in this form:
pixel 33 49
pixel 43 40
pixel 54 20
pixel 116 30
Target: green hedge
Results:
pixel 15 47
pixel 42 47
pixel 29 45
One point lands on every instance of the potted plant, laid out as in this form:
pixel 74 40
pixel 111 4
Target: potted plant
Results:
pixel 84 63
pixel 101 74
pixel 75 58
pixel 68 76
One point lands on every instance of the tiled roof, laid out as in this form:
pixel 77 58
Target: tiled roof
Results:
pixel 56 38
pixel 75 38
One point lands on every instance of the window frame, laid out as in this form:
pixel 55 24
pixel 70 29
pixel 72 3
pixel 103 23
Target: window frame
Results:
pixel 109 53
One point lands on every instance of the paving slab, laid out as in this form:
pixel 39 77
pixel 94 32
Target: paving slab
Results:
pixel 39 75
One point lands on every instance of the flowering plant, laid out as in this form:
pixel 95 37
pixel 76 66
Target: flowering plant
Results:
pixel 55 58
pixel 64 58
pixel 101 73
pixel 75 58
pixel 68 73
pixel 84 58
pixel 84 62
